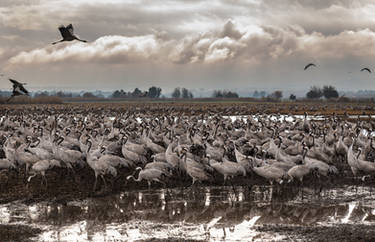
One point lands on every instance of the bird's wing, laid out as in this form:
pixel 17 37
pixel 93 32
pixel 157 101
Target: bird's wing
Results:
pixel 308 65
pixel 65 33
pixel 23 89
pixel 70 29
pixel 366 69
pixel 14 82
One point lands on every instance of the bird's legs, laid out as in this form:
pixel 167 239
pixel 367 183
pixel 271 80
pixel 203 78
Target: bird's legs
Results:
pixel 105 183
pixel 57 42
pixel 28 180
pixel 225 179
pixel 161 182
pixel 9 98
pixel 82 40
pixel 44 180
pixel 96 179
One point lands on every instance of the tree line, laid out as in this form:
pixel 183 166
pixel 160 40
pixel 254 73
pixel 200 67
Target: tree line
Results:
pixel 182 93
pixel 327 92
pixel 315 92
pixel 153 92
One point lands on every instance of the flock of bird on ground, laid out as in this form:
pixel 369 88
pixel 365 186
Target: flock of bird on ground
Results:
pixel 198 147
pixel 201 148
pixel 67 34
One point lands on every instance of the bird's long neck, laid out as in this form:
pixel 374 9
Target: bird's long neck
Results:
pixel 132 177
pixel 359 153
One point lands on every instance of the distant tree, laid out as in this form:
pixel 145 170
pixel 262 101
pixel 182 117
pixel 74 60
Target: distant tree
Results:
pixel 330 92
pixel 137 92
pixel 116 94
pixel 256 94
pixel 315 92
pixel 119 94
pixel 63 94
pixel 292 97
pixel 229 94
pixel 154 92
pixel 176 93
pixel 262 94
pixel 224 94
pixel 42 94
pixel 185 93
pixel 276 95
pixel 88 95
pixel 217 93
pixel 60 94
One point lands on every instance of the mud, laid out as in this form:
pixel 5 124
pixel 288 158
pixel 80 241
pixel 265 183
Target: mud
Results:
pixel 352 232
pixel 223 107
pixel 231 213
pixel 17 233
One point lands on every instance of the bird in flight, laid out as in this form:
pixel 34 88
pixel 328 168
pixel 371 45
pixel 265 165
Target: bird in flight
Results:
pixel 308 65
pixel 68 34
pixel 366 69
pixel 18 89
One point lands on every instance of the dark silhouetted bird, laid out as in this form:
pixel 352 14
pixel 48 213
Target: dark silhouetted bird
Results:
pixel 18 89
pixel 366 69
pixel 308 65
pixel 68 34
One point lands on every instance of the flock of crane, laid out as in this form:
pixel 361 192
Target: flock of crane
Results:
pixel 164 148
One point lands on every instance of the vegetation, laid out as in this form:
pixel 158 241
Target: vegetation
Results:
pixel 260 94
pixel 153 92
pixel 314 93
pixel 327 91
pixel 224 94
pixel 276 95
pixel 182 93
pixel 330 92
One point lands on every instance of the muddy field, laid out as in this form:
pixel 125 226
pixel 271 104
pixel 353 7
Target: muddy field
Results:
pixel 67 209
pixel 335 208
pixel 193 108
pixel 216 213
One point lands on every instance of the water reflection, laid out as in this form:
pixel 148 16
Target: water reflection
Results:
pixel 200 213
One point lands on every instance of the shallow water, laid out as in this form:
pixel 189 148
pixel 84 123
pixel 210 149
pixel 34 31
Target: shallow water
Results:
pixel 201 213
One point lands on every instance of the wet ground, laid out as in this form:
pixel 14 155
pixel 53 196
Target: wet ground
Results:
pixel 216 213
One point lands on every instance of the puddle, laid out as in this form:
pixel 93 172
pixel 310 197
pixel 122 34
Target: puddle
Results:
pixel 204 213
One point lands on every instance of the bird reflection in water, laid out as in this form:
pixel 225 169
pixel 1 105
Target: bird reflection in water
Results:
pixel 201 213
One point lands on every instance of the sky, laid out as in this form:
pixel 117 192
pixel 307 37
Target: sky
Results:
pixel 213 44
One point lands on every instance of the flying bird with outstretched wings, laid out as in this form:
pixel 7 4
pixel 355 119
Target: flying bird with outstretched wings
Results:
pixel 309 65
pixel 366 69
pixel 68 34
pixel 18 89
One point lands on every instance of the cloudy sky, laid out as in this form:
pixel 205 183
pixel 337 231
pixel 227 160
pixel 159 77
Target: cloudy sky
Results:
pixel 214 44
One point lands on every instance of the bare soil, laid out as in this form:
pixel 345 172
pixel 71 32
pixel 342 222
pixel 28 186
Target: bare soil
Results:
pixel 340 233
pixel 17 232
